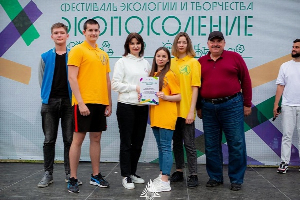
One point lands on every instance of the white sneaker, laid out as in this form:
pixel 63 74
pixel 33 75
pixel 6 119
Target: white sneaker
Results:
pixel 157 178
pixel 127 183
pixel 137 179
pixel 283 167
pixel 161 186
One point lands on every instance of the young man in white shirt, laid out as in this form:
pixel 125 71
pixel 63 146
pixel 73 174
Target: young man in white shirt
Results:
pixel 288 84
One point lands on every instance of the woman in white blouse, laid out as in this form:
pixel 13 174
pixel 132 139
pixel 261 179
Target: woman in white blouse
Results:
pixel 132 117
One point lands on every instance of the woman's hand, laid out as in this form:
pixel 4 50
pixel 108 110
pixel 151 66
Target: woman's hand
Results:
pixel 162 96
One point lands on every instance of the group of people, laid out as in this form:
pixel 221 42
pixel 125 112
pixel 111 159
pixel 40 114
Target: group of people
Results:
pixel 76 87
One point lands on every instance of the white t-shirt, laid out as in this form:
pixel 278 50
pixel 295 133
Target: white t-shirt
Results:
pixel 289 76
pixel 127 73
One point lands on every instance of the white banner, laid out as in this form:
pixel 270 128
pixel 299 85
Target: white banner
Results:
pixel 262 32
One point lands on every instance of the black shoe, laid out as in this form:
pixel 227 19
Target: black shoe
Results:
pixel 236 186
pixel 192 181
pixel 177 177
pixel 73 185
pixel 283 167
pixel 98 180
pixel 213 183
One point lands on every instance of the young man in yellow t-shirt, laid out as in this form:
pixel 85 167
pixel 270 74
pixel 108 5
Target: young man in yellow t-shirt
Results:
pixel 91 99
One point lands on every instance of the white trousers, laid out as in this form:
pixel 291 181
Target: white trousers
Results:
pixel 290 120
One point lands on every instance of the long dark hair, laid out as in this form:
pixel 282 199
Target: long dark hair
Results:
pixel 163 72
pixel 139 38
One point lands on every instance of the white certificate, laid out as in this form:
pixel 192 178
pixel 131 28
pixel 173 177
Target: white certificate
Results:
pixel 148 88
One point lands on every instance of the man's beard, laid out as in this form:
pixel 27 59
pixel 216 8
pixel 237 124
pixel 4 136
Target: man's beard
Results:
pixel 295 55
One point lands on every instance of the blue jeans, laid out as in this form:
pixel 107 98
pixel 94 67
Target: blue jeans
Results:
pixel 51 112
pixel 164 144
pixel 229 118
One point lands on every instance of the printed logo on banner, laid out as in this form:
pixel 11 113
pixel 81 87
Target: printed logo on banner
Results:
pixel 193 17
pixel 168 45
pixel 21 25
pixel 203 50
pixel 106 47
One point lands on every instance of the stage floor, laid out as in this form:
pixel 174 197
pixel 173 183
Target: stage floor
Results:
pixel 19 181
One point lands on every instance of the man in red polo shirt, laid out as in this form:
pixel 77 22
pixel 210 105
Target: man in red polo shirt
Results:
pixel 224 99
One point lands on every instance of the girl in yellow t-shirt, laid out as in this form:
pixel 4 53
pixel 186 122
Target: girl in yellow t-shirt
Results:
pixel 163 116
pixel 187 69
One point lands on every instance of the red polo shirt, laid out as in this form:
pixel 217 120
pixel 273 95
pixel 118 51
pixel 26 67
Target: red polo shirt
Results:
pixel 225 77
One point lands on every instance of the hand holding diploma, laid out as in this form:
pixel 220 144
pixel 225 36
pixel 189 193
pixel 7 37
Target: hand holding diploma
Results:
pixel 149 87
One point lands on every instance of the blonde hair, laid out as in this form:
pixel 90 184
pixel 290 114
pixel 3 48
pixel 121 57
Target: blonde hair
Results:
pixel 59 25
pixel 189 49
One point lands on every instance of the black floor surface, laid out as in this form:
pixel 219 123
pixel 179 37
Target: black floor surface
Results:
pixel 19 181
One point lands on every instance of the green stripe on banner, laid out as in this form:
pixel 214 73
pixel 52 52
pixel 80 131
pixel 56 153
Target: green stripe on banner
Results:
pixel 155 161
pixel 11 7
pixel 30 34
pixel 260 113
pixel 223 138
pixel 199 153
pixel 20 19
pixel 246 127
pixel 267 106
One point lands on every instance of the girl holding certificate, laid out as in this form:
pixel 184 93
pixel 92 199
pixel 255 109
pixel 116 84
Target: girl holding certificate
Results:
pixel 187 69
pixel 163 116
pixel 132 117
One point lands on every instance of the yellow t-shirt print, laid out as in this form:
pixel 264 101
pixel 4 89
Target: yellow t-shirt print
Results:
pixel 185 69
pixel 103 59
